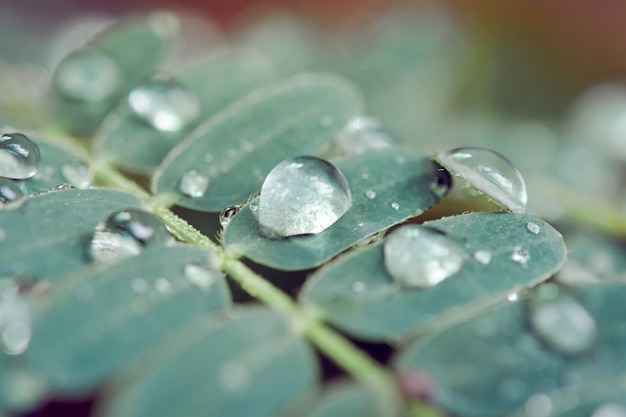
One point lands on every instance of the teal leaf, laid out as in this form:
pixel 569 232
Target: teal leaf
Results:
pixel 249 365
pixel 346 400
pixel 136 146
pixel 239 146
pixel 45 237
pixel 388 187
pixel 495 362
pixel 102 319
pixel 356 294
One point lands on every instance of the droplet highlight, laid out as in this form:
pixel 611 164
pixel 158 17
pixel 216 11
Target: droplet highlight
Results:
pixel 441 182
pixel 422 257
pixel 533 227
pixel 361 134
pixel 482 256
pixel 144 227
pixel 106 247
pixel 610 410
pixel 202 276
pixel 228 214
pixel 9 191
pixel 193 184
pixel 520 255
pixel 165 105
pixel 19 156
pixel 302 195
pixel 371 194
pixel 77 173
pixel 490 173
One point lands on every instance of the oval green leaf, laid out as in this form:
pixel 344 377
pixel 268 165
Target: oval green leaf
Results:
pixel 249 365
pixel 400 184
pixel 239 146
pixel 356 294
pixel 494 363
pixel 138 147
pixel 105 318
pixel 44 237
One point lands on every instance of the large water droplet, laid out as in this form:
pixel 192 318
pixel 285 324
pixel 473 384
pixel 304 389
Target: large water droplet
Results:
pixel 490 173
pixel 563 323
pixel 87 76
pixel 193 184
pixel 19 156
pixel 302 195
pixel 362 134
pixel 200 275
pixel 610 410
pixel 420 256
pixel 165 105
pixel 9 191
pixel 108 247
pixel 144 227
pixel 77 173
pixel 227 215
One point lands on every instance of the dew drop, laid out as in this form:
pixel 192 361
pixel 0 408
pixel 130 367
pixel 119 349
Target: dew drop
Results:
pixel 513 297
pixel 371 194
pixel 139 285
pixel 107 247
pixel 490 173
pixel 520 255
pixel 163 286
pixel 441 182
pixel 144 227
pixel 63 187
pixel 482 256
pixel 564 324
pixel 533 227
pixel 15 321
pixel 395 205
pixel 87 76
pixel 420 256
pixel 16 337
pixel 302 195
pixel 369 240
pixel 610 410
pixel 165 105
pixel 358 286
pixel 362 134
pixel 227 215
pixel 77 173
pixel 201 276
pixel 19 156
pixel 9 191
pixel 193 184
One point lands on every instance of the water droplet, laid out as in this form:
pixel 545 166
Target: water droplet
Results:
pixel 563 323
pixel 77 173
pixel 533 227
pixel 326 121
pixel 302 195
pixel 139 285
pixel 9 191
pixel 63 187
pixel 490 173
pixel 164 104
pixel 539 405
pixel 369 240
pixel 420 256
pixel 144 227
pixel 441 183
pixel 108 247
pixel 610 410
pixel 482 256
pixel 513 297
pixel 193 184
pixel 15 337
pixel 358 286
pixel 362 134
pixel 227 215
pixel 162 285
pixel 201 276
pixel 371 194
pixel 520 255
pixel 87 76
pixel 15 321
pixel 19 156
pixel 395 205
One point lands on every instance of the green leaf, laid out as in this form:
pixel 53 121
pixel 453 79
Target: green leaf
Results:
pixel 394 177
pixel 46 236
pixel 105 318
pixel 138 147
pixel 493 363
pixel 346 400
pixel 249 365
pixel 239 146
pixel 356 294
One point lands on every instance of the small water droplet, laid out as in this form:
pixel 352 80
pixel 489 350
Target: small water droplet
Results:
pixel 87 76
pixel 400 160
pixel 108 247
pixel 164 104
pixel 482 256
pixel 533 227
pixel 610 410
pixel 19 156
pixel 520 255
pixel 395 205
pixel 63 187
pixel 162 285
pixel 490 173
pixel 201 276
pixel 9 191
pixel 144 227
pixel 326 121
pixel 563 323
pixel 193 184
pixel 371 194
pixel 77 173
pixel 420 256
pixel 539 405
pixel 358 286
pixel 362 134
pixel 441 182
pixel 302 195
pixel 513 297
pixel 139 285
pixel 369 240
pixel 227 215
pixel 234 376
